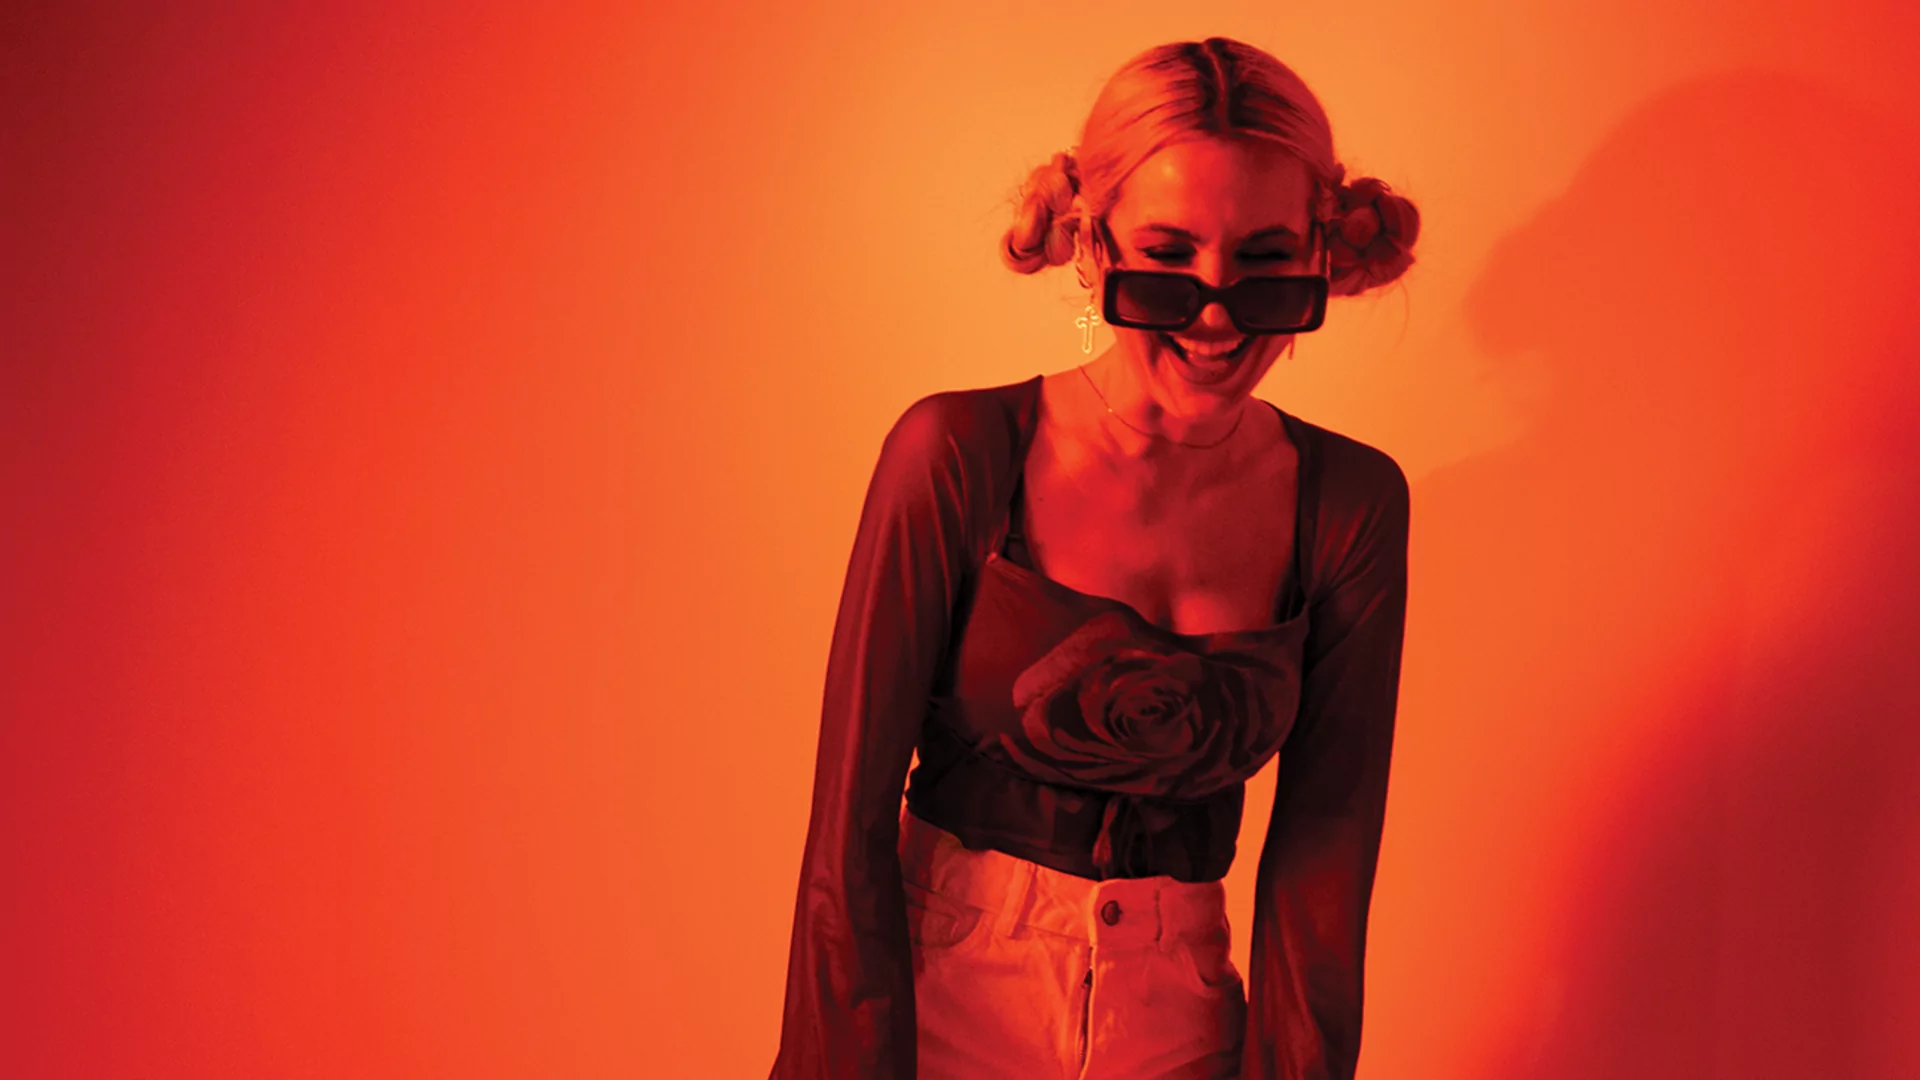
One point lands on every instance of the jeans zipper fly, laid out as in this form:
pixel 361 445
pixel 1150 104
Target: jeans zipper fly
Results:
pixel 1086 1014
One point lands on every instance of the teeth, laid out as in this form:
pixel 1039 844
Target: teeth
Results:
pixel 1210 351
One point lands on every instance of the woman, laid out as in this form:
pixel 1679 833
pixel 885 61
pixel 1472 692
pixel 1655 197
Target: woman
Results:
pixel 1096 602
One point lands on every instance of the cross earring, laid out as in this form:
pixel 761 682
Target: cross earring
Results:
pixel 1089 318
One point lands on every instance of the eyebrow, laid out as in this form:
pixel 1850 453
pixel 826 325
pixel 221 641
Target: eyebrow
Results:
pixel 1281 231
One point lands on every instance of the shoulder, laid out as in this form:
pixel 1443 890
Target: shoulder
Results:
pixel 1362 502
pixel 1354 477
pixel 1359 523
pixel 978 426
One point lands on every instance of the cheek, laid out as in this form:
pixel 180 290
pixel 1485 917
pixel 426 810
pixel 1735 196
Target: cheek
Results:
pixel 1265 348
pixel 1270 351
pixel 1140 342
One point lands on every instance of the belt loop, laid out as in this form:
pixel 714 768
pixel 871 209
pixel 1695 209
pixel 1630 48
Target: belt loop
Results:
pixel 1166 918
pixel 1013 904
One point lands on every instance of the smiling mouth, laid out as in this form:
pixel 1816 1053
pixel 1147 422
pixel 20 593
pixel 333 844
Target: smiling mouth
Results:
pixel 1213 355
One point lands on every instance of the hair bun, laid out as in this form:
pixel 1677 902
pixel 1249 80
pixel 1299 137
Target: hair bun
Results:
pixel 1371 234
pixel 1043 227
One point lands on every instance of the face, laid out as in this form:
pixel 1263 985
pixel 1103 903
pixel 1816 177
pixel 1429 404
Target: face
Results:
pixel 1219 209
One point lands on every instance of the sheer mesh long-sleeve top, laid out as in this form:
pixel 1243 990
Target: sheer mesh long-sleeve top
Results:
pixel 1067 729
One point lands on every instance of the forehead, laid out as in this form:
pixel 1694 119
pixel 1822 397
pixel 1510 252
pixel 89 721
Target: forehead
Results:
pixel 1216 189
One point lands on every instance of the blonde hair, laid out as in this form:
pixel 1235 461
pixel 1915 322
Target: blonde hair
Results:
pixel 1218 87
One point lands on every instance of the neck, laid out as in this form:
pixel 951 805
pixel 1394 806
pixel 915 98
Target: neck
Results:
pixel 1155 418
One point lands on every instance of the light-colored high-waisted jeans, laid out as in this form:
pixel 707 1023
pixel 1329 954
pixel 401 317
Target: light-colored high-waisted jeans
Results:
pixel 1022 971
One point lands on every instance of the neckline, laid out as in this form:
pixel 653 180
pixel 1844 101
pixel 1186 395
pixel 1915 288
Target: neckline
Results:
pixel 1304 475
pixel 1134 615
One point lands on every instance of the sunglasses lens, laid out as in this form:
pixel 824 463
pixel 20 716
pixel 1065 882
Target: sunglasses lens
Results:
pixel 1155 300
pixel 1151 300
pixel 1275 305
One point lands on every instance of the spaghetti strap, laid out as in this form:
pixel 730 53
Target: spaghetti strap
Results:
pixel 1010 532
pixel 1014 535
pixel 1306 501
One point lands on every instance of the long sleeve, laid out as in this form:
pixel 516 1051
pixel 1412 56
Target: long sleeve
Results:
pixel 849 991
pixel 1315 878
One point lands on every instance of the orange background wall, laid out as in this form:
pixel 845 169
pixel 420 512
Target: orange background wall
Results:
pixel 430 444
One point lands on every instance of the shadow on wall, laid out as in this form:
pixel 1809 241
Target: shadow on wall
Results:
pixel 1678 623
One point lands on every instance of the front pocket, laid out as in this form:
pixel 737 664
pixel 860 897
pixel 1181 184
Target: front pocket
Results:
pixel 936 921
pixel 1208 963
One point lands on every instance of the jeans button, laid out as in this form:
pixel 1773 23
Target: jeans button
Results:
pixel 1110 912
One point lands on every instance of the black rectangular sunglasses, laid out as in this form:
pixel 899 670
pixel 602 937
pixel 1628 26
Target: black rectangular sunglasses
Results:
pixel 1170 301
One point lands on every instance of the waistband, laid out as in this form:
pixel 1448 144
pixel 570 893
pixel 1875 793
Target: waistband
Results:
pixel 1018 892
pixel 1077 831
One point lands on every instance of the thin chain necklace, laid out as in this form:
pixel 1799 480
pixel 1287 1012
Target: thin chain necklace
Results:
pixel 1156 435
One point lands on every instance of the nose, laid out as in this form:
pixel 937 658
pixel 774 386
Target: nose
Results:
pixel 1210 266
pixel 1214 321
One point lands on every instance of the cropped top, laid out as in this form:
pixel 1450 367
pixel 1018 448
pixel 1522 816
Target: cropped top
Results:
pixel 1067 729
pixel 1070 730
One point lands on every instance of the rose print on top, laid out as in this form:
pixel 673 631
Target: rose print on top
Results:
pixel 1112 708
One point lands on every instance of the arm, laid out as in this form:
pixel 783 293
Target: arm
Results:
pixel 849 993
pixel 1315 878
